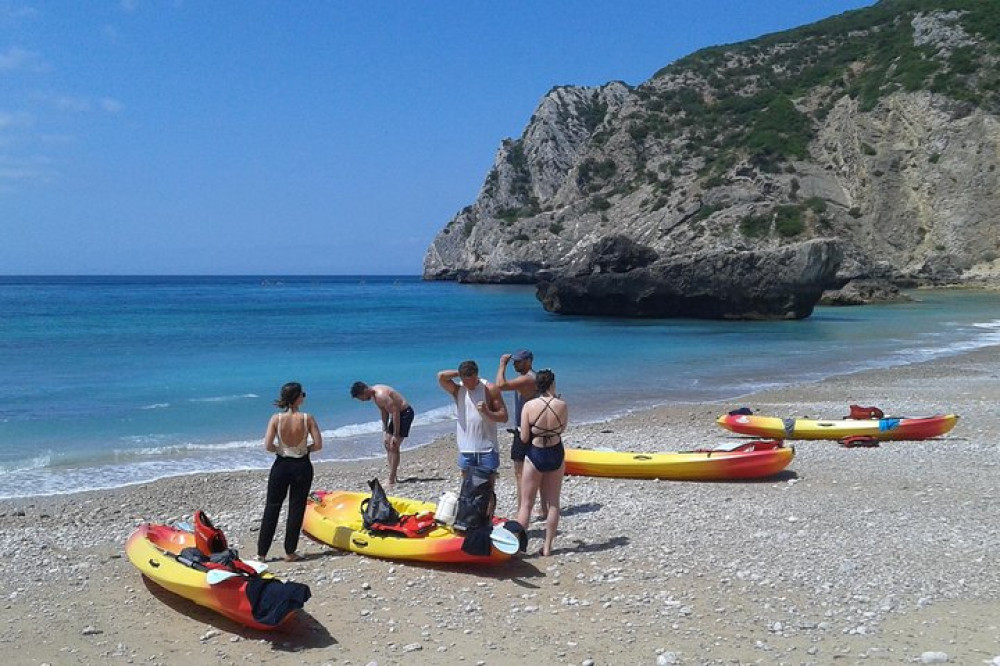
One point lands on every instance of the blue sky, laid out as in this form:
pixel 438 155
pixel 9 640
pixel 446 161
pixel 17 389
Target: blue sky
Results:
pixel 251 137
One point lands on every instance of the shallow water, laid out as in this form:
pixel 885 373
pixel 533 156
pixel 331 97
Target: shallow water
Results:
pixel 111 381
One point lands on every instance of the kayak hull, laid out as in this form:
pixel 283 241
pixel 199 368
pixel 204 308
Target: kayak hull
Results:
pixel 881 429
pixel 334 518
pixel 152 549
pixel 680 466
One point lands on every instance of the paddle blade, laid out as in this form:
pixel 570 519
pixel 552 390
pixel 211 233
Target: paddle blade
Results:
pixel 259 567
pixel 504 540
pixel 216 576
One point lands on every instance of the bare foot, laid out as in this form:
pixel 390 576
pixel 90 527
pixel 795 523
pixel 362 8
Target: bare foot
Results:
pixel 293 557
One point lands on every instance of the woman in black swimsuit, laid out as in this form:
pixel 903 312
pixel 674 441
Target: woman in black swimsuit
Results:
pixel 543 421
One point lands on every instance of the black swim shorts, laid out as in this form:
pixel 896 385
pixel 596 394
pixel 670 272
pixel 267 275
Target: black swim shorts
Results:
pixel 405 420
pixel 518 449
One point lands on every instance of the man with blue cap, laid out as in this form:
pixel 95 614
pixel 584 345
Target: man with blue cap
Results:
pixel 524 390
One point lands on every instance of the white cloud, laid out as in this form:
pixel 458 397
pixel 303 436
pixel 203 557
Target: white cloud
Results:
pixel 12 120
pixel 111 105
pixel 12 10
pixel 110 33
pixel 76 104
pixel 57 139
pixel 72 104
pixel 25 169
pixel 15 58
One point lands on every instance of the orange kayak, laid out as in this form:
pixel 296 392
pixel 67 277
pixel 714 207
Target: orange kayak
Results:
pixel 155 550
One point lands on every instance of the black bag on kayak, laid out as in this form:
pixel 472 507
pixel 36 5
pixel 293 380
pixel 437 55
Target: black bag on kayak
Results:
pixel 476 501
pixel 377 509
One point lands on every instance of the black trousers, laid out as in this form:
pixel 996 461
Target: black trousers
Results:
pixel 291 477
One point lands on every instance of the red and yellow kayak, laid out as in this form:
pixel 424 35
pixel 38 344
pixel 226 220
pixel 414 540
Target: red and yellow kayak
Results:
pixel 881 429
pixel 334 518
pixel 751 461
pixel 154 550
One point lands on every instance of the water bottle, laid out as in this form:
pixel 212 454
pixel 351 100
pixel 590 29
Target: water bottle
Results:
pixel 447 508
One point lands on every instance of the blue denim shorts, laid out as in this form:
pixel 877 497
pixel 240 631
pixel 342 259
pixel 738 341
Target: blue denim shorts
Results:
pixel 488 459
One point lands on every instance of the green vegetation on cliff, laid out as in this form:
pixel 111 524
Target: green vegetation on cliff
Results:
pixel 762 99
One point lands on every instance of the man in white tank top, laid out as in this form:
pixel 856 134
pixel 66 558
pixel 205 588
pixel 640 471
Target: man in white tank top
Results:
pixel 480 407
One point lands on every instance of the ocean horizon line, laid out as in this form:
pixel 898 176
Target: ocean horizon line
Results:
pixel 47 276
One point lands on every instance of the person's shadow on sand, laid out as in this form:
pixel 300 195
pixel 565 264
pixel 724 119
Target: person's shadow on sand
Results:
pixel 589 507
pixel 300 632
pixel 421 479
pixel 581 546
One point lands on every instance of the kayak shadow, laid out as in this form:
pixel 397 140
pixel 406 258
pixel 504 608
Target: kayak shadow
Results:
pixel 783 475
pixel 515 567
pixel 301 631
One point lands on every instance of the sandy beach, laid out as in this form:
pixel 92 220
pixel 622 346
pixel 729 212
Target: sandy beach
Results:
pixel 881 555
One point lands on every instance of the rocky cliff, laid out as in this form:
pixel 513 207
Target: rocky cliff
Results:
pixel 878 128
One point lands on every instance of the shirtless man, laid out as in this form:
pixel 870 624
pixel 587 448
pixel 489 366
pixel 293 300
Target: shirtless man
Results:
pixel 397 416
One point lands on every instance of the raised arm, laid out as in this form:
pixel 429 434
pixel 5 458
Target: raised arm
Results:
pixel 446 378
pixel 502 372
pixel 495 408
pixel 518 383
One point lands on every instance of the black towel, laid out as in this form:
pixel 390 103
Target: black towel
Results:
pixel 272 599
pixel 477 541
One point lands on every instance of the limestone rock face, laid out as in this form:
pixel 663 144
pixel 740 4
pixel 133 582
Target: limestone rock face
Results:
pixel 712 158
pixel 783 283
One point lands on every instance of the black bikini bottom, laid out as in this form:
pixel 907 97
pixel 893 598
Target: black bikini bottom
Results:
pixel 547 458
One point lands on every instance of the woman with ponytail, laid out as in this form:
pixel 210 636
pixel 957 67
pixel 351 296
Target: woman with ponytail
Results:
pixel 543 421
pixel 287 436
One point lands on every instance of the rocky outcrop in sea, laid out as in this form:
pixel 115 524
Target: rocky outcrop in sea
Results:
pixel 625 279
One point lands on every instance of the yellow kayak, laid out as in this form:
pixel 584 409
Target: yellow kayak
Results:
pixel 334 518
pixel 881 429
pixel 750 461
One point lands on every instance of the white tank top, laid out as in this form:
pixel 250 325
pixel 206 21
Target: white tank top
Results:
pixel 299 450
pixel 476 434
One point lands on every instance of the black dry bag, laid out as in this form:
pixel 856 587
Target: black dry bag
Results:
pixel 377 509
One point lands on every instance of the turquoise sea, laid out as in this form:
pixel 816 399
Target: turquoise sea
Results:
pixel 108 381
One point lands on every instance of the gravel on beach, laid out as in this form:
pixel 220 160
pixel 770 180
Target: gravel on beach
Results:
pixel 867 555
